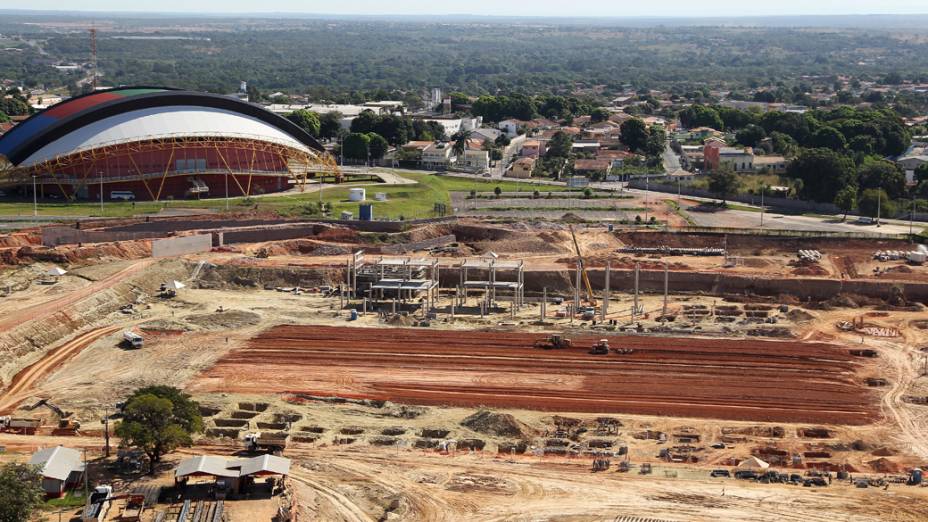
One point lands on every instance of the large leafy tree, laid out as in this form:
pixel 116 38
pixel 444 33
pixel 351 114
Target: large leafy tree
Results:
pixel 875 203
pixel 21 492
pixel 724 181
pixel 377 144
pixel 823 172
pixel 364 122
pixel 306 120
pixel 460 141
pixel 828 138
pixel 330 124
pixel 355 145
pixel 634 134
pixel 560 145
pixel 751 135
pixel 846 199
pixel 157 420
pixel 877 173
pixel 701 116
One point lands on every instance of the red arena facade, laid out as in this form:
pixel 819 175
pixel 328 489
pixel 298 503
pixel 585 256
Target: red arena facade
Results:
pixel 156 143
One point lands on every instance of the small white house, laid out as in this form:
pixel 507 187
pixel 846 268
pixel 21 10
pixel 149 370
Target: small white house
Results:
pixel 61 469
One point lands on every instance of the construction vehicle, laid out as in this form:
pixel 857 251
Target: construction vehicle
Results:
pixel 98 504
pixel 132 340
pixel 590 298
pixel 21 426
pixel 553 342
pixel 600 347
pixel 273 443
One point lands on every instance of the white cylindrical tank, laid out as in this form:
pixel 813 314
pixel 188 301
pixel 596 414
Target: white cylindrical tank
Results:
pixel 357 194
pixel 380 196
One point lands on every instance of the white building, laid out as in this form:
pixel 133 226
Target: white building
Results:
pixel 510 127
pixel 474 160
pixel 437 156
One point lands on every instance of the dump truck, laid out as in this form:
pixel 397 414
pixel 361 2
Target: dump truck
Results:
pixel 259 442
pixel 600 347
pixel 553 342
pixel 23 426
pixel 132 340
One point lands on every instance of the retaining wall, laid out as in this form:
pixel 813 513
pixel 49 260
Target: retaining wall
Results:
pixel 178 246
pixel 56 235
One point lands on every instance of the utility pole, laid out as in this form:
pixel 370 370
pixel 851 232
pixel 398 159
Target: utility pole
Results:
pixel 35 200
pixel 879 200
pixel 912 215
pixel 101 192
pixel 762 190
pixel 577 289
pixel 106 432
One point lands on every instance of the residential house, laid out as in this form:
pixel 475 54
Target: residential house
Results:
pixel 437 156
pixel 741 160
pixel 61 469
pixel 770 164
pixel 592 168
pixel 585 146
pixel 510 127
pixel 913 158
pixel 412 150
pixel 522 168
pixel 473 160
pixel 533 149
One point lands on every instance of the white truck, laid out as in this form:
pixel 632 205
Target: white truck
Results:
pixel 132 339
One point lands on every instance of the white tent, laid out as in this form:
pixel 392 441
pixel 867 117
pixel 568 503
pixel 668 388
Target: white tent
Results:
pixel 174 285
pixel 753 463
pixel 56 271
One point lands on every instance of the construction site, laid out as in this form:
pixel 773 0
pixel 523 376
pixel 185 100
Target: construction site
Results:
pixel 459 368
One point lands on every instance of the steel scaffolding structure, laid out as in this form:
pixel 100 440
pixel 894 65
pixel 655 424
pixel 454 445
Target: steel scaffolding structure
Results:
pixel 78 167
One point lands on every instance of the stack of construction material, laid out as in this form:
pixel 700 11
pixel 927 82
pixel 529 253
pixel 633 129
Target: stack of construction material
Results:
pixel 673 251
pixel 812 256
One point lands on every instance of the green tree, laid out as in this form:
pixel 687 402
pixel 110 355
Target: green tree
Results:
pixel 882 174
pixel 921 173
pixel 751 135
pixel 377 145
pixel 560 145
pixel 599 114
pixel 306 120
pixel 724 181
pixel 875 203
pixel 823 172
pixel 4 118
pixel 157 420
pixel 634 134
pixel 701 116
pixel 829 138
pixel 784 144
pixel 460 139
pixel 364 122
pixel 355 146
pixel 330 124
pixel 846 199
pixel 21 492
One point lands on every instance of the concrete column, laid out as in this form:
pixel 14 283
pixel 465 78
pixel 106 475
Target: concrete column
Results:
pixel 635 305
pixel 605 307
pixel 666 285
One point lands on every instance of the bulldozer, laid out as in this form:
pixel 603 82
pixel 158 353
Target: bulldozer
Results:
pixel 600 347
pixel 553 342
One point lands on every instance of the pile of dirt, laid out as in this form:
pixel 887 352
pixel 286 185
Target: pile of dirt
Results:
pixel 496 424
pixel 798 315
pixel 883 452
pixel 901 269
pixel 225 320
pixel 883 465
pixel 70 254
pixel 814 270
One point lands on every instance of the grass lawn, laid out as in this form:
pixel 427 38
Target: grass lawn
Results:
pixel 749 182
pixel 408 201
pixel 71 499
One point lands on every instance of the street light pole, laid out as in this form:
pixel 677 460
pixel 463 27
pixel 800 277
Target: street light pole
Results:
pixel 35 200
pixel 762 190
pixel 101 192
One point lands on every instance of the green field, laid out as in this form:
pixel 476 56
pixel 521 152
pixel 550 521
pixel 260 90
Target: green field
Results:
pixel 406 201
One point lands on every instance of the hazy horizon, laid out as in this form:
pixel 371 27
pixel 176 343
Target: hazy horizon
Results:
pixel 540 8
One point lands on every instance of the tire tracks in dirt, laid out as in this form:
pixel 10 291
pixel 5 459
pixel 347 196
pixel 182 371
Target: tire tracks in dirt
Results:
pixel 24 381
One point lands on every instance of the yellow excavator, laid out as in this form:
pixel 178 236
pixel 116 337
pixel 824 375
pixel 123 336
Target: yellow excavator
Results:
pixel 590 298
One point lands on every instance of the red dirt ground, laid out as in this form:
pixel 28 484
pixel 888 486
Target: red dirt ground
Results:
pixel 693 377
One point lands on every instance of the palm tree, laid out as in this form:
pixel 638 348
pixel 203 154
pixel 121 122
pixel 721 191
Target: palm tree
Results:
pixel 460 139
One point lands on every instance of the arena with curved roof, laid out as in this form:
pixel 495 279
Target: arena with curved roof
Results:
pixel 154 143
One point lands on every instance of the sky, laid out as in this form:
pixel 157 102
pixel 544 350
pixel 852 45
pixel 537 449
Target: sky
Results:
pixel 558 8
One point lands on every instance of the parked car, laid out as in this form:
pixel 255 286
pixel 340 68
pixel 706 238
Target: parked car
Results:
pixel 745 474
pixel 716 473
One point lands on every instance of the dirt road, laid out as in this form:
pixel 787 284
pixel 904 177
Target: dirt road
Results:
pixel 22 384
pixel 692 377
pixel 48 308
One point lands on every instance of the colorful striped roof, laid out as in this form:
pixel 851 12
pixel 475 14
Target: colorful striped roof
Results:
pixel 41 121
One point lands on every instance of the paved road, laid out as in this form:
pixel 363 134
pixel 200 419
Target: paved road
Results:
pixel 773 221
pixel 671 160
